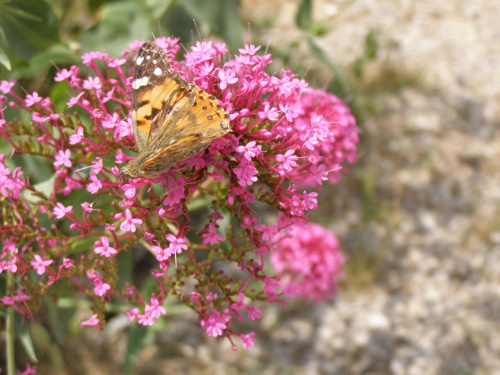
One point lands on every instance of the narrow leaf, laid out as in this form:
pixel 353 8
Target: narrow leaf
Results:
pixel 303 18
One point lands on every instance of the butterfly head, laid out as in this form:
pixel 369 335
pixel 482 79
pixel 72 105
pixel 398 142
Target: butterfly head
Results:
pixel 134 170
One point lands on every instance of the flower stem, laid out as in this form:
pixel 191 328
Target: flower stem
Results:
pixel 10 358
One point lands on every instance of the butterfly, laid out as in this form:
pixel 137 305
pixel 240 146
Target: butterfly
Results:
pixel 173 119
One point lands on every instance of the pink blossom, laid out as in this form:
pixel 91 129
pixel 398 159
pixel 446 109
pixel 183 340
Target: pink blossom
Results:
pixel 250 150
pixel 226 78
pixel 129 224
pixel 63 158
pixel 132 314
pixel 146 319
pixel 249 340
pixel 129 191
pixel 101 288
pixel 246 173
pixel 155 309
pixel 215 325
pixel 95 185
pixel 309 261
pixel 285 137
pixel 93 321
pixel 249 49
pixel 211 236
pixel 177 245
pixel 60 211
pixel 28 370
pixel 76 138
pixel 270 113
pixel 92 83
pixel 254 313
pixel 5 86
pixel 288 160
pixel 39 264
pixel 63 75
pixel 103 248
pixel 33 99
pixel 289 112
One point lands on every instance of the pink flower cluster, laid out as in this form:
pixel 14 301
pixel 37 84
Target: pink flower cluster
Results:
pixel 286 138
pixel 309 261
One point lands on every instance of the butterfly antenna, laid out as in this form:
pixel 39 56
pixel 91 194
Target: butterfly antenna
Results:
pixel 97 200
pixel 159 28
pixel 83 168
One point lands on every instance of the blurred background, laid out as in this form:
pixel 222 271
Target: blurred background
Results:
pixel 417 216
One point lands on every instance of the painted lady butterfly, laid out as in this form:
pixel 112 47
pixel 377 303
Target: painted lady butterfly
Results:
pixel 173 120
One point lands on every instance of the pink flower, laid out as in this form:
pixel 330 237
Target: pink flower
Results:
pixel 288 160
pixel 177 245
pixel 226 78
pixel 95 185
pixel 249 340
pixel 132 314
pixel 271 113
pixel 309 262
pixel 5 86
pixel 285 136
pixel 246 173
pixel 76 138
pixel 103 248
pixel 211 236
pixel 93 321
pixel 92 83
pixel 155 309
pixel 216 324
pixel 60 211
pixel 63 158
pixel 63 75
pixel 33 99
pixel 39 264
pixel 250 150
pixel 100 288
pixel 129 224
pixel 249 49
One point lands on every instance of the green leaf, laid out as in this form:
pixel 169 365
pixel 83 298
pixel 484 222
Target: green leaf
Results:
pixel 59 54
pixel 24 336
pixel 339 76
pixel 222 17
pixel 139 337
pixel 371 44
pixel 125 267
pixel 120 23
pixel 4 60
pixel 30 26
pixel 158 8
pixel 60 320
pixel 303 19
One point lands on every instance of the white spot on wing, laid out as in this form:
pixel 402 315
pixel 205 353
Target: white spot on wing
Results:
pixel 148 57
pixel 157 72
pixel 139 60
pixel 154 61
pixel 144 81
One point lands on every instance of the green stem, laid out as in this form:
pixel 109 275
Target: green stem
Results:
pixel 11 366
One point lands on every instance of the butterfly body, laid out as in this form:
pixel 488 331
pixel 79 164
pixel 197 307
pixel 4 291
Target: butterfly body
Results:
pixel 173 120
